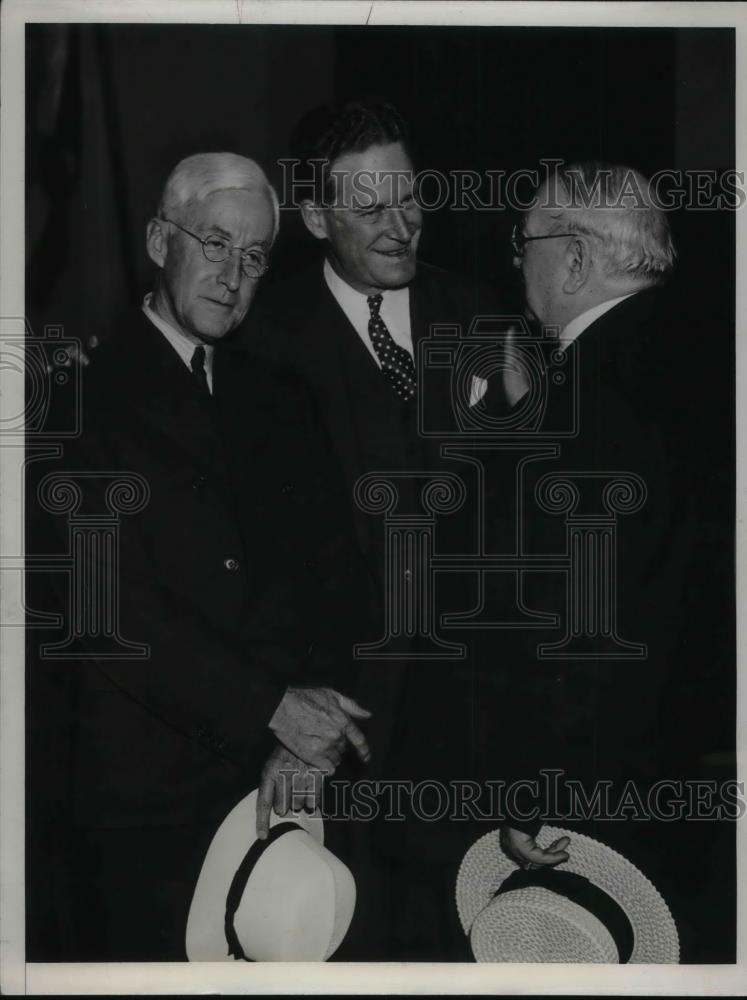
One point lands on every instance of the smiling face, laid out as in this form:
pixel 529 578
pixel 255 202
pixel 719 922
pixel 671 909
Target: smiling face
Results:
pixel 373 225
pixel 202 299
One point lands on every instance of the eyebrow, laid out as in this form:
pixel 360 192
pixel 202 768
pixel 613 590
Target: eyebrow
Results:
pixel 219 231
pixel 380 204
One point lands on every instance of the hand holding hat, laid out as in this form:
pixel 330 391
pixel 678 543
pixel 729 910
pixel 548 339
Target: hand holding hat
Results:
pixel 522 848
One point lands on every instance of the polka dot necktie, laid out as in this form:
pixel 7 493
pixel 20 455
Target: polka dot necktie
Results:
pixel 396 363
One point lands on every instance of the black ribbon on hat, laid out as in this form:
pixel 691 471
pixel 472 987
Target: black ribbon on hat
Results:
pixel 238 884
pixel 584 893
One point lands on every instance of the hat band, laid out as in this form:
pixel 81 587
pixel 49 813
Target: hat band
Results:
pixel 238 884
pixel 581 891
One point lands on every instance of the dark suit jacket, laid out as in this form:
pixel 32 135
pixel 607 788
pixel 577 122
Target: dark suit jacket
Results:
pixel 237 574
pixel 610 720
pixel 300 323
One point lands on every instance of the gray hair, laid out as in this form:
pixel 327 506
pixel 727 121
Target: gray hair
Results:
pixel 198 176
pixel 613 203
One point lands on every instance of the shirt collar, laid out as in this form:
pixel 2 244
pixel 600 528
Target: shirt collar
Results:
pixel 183 347
pixel 348 296
pixel 577 325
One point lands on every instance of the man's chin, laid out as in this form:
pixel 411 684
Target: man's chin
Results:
pixel 393 272
pixel 212 329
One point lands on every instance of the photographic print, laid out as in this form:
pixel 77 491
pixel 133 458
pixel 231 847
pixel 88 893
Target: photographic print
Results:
pixel 369 448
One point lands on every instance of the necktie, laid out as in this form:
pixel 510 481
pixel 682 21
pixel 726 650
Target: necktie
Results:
pixel 396 364
pixel 198 369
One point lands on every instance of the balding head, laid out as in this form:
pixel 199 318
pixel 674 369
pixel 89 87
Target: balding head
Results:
pixel 608 239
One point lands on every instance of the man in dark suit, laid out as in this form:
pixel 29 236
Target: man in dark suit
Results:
pixel 595 254
pixel 351 325
pixel 235 580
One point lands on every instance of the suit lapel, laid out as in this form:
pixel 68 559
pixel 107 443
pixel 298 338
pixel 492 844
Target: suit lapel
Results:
pixel 331 343
pixel 159 387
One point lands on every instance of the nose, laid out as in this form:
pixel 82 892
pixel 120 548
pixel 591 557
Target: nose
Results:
pixel 399 226
pixel 231 274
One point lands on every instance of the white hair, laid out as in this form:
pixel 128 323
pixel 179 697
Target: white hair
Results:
pixel 198 176
pixel 614 204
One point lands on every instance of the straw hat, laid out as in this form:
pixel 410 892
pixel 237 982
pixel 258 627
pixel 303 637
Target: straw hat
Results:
pixel 283 899
pixel 595 907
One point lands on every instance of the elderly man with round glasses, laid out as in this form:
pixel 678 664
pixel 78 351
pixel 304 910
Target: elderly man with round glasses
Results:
pixel 236 588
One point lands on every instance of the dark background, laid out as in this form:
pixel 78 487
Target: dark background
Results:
pixel 112 108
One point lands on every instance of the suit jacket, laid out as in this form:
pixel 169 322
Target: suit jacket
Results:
pixel 300 323
pixel 607 719
pixel 422 708
pixel 238 574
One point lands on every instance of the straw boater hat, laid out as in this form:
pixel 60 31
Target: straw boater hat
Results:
pixel 283 899
pixel 595 907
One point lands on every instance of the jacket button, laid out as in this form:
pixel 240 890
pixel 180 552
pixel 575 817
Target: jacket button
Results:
pixel 408 574
pixel 287 489
pixel 309 564
pixel 199 483
pixel 231 564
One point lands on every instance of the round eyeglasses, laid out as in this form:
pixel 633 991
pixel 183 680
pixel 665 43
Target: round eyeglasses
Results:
pixel 216 249
pixel 519 240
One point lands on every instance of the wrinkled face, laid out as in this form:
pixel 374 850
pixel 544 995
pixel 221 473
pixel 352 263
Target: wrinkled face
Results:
pixel 203 299
pixel 542 269
pixel 373 226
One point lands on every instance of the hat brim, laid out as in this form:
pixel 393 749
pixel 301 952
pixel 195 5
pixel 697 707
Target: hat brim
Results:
pixel 205 935
pixel 485 867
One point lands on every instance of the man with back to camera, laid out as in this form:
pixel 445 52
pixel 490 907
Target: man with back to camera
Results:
pixel 595 253
pixel 236 574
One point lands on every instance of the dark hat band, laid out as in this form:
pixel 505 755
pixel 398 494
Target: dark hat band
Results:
pixel 584 893
pixel 238 884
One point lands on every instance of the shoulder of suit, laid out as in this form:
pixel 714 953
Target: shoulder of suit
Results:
pixel 473 295
pixel 119 358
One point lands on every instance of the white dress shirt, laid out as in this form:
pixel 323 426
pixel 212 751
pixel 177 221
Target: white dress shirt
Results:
pixel 395 311
pixel 183 347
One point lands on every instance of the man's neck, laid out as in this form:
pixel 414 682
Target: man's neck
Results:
pixel 595 299
pixel 160 306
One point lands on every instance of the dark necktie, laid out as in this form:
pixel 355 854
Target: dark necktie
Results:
pixel 198 370
pixel 396 364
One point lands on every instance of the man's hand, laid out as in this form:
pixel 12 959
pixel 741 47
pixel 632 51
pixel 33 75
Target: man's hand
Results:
pixel 515 383
pixel 524 850
pixel 287 784
pixel 316 723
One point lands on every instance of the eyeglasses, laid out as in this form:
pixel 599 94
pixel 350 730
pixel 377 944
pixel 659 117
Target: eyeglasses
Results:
pixel 519 240
pixel 254 261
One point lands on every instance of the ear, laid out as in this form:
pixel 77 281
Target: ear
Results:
pixel 315 219
pixel 578 264
pixel 156 242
